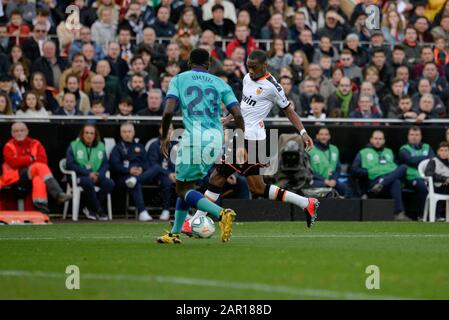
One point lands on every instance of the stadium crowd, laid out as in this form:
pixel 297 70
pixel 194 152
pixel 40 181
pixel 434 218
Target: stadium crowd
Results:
pixel 119 58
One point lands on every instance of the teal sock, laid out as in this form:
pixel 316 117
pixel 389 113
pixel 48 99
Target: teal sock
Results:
pixel 180 217
pixel 197 200
pixel 210 207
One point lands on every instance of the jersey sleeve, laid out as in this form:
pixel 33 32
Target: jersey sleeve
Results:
pixel 228 97
pixel 173 89
pixel 280 98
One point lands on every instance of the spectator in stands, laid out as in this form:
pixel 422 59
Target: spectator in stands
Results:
pixel 51 65
pixel 391 100
pixel 88 52
pixel 426 57
pixel 412 49
pixel 325 163
pixel 359 54
pixel 325 48
pixel 163 26
pixel 119 67
pixel 343 101
pixel 326 65
pixel 350 69
pixel 367 88
pixel 66 36
pixel 259 14
pixel 336 6
pixel 299 67
pixel 7 87
pixel 149 67
pixel 411 154
pixel 137 67
pixel 275 28
pixel 163 171
pixel 189 24
pixel 399 57
pixel 365 109
pixel 304 42
pixel 43 17
pixel 125 107
pixel 104 30
pixel 16 55
pixel 392 27
pixel 126 45
pixel 317 108
pixel 154 103
pixel 134 21
pixel 68 106
pixel 39 86
pixel 308 89
pixel 5 105
pixel 20 75
pixel 438 169
pixel 5 40
pixel 82 99
pixel 98 93
pixel 335 27
pixel 98 109
pixel 165 82
pixel 78 68
pixel 129 167
pixel 359 9
pixel 31 107
pixel 379 60
pixel 238 56
pixel 233 76
pixel 422 26
pixel 228 6
pixel 378 43
pixel 32 46
pixel 158 55
pixel 441 53
pixel 277 56
pixel 324 86
pixel 337 74
pixel 403 73
pixel 439 84
pixel 26 164
pixel 87 157
pixel 403 110
pixel 438 107
pixel 138 93
pixel 242 39
pixel 442 31
pixel 112 83
pixel 100 5
pixel 16 28
pixel 314 15
pixel 287 84
pixel 208 37
pixel 377 163
pixel 427 108
pixel 148 15
pixel 298 26
pixel 85 36
pixel 88 15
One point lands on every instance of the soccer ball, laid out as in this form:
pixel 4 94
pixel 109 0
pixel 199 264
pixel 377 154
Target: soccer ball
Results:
pixel 203 227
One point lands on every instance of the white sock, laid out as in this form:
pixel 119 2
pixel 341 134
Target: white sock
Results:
pixel 289 197
pixel 212 196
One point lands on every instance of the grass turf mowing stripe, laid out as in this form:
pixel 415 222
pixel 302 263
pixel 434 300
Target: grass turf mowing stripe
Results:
pixel 260 287
pixel 384 235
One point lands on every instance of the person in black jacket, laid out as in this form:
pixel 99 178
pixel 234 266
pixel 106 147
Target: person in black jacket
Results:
pixel 137 92
pixel 129 167
pixel 32 45
pixel 48 62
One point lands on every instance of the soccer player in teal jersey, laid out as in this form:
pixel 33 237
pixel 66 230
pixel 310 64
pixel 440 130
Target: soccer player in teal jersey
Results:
pixel 199 94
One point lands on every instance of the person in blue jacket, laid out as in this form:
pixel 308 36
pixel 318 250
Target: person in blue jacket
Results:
pixel 163 171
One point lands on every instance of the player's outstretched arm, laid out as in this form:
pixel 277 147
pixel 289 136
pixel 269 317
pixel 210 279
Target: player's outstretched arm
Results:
pixel 297 123
pixel 170 107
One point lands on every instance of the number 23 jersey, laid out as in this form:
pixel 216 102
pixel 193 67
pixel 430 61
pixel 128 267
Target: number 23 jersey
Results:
pixel 258 98
pixel 199 95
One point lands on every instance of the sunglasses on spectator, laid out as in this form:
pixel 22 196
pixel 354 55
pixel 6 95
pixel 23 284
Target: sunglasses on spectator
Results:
pixel 40 31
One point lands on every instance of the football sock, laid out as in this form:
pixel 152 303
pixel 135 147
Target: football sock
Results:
pixel 197 200
pixel 275 193
pixel 212 196
pixel 182 209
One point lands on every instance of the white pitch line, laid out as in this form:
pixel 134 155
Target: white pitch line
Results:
pixel 245 286
pixel 313 236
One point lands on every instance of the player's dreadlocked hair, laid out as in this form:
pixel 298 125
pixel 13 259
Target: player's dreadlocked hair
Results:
pixel 199 57
pixel 258 55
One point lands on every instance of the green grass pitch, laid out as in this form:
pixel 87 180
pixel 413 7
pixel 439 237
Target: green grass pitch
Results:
pixel 264 260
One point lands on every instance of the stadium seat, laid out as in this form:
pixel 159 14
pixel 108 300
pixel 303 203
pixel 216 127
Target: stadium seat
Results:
pixel 75 190
pixel 430 207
